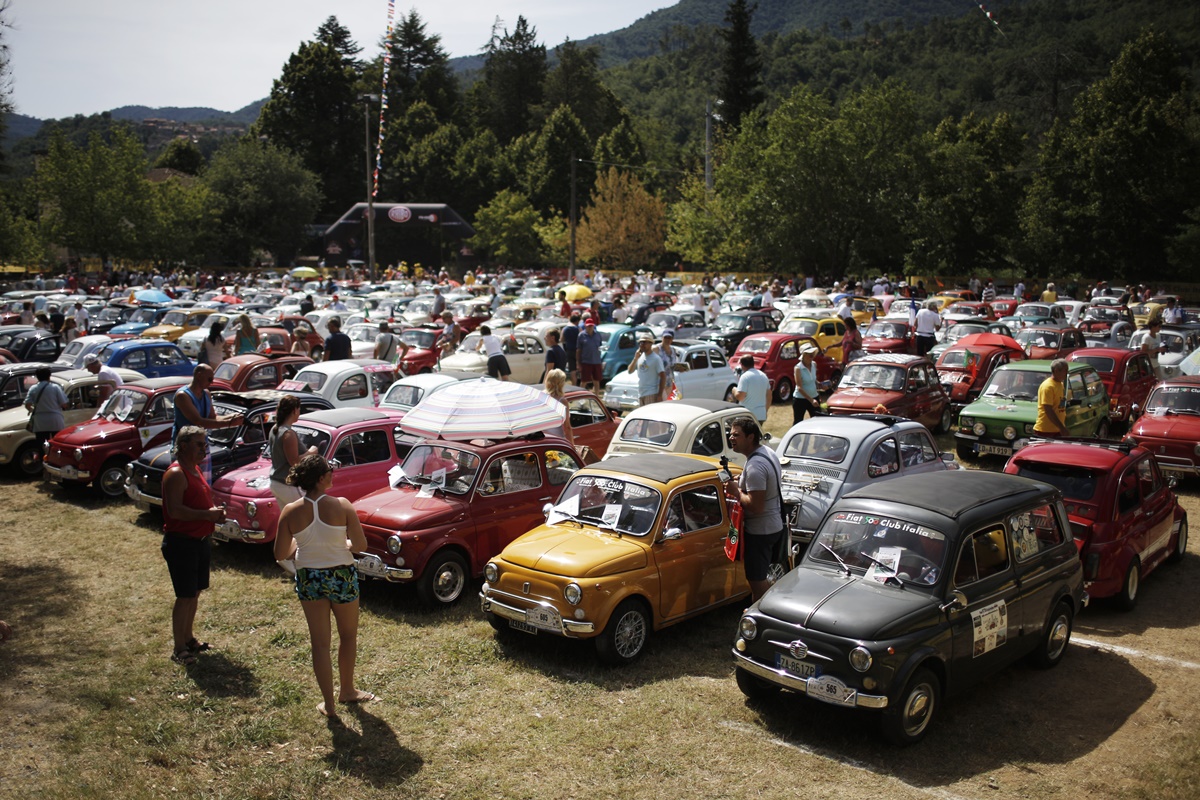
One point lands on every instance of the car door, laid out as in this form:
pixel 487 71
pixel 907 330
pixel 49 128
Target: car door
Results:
pixel 1079 414
pixel 136 359
pixel 591 424
pixel 360 457
pixel 689 552
pixel 983 629
pixel 353 391
pixel 1157 510
pixel 158 419
pixel 509 499
pixel 915 404
pixel 167 360
pixel 696 380
pixel 1044 553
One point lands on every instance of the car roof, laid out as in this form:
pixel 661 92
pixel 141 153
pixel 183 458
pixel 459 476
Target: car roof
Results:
pixel 1043 365
pixel 659 467
pixel 683 410
pixel 1088 456
pixel 131 344
pixel 337 417
pixel 855 425
pixel 1182 380
pixel 903 359
pixel 952 493
pixel 161 383
pixel 253 397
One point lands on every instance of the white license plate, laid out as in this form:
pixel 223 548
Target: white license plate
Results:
pixel 993 450
pixel 831 690
pixel 546 619
pixel 794 666
pixel 524 627
pixel 67 473
pixel 371 565
pixel 228 529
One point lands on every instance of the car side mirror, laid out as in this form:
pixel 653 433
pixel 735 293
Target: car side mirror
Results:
pixel 546 509
pixel 671 533
pixel 1172 480
pixel 957 602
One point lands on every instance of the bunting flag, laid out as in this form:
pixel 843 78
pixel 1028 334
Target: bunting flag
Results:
pixel 992 18
pixel 383 95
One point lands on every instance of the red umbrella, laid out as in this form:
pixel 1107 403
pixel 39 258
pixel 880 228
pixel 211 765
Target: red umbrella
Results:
pixel 227 298
pixel 991 340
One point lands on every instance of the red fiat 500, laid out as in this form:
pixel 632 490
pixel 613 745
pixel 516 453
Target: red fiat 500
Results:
pixel 777 354
pixel 1169 426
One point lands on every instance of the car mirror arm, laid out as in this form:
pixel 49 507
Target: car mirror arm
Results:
pixel 957 602
pixel 670 534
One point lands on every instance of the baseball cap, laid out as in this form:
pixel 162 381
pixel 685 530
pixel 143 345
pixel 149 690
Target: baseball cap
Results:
pixel 91 358
pixel 589 321
pixel 668 332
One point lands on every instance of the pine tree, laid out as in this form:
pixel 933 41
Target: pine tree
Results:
pixel 740 87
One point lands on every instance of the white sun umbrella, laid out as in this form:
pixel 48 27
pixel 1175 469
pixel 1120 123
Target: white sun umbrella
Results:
pixel 484 409
pixel 814 292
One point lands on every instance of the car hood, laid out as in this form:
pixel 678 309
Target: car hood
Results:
pixel 854 608
pixel 1000 407
pixel 1185 428
pixel 14 419
pixel 404 509
pixel 862 398
pixel 95 431
pixel 574 552
pixel 161 331
pixel 464 361
pixel 129 327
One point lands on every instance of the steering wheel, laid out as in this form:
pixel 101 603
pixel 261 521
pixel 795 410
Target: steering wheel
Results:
pixel 926 573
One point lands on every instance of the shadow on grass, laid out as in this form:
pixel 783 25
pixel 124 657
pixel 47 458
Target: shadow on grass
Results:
pixel 1166 599
pixel 30 596
pixel 215 674
pixel 375 755
pixel 1021 715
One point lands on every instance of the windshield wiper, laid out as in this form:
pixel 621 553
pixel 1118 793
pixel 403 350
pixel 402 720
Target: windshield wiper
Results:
pixel 833 553
pixel 888 567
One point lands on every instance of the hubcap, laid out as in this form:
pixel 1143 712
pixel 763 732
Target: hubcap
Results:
pixel 31 460
pixel 448 583
pixel 630 634
pixel 917 709
pixel 1060 633
pixel 112 482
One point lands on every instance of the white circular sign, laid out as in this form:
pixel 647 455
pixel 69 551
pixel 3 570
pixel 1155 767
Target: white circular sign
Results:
pixel 399 214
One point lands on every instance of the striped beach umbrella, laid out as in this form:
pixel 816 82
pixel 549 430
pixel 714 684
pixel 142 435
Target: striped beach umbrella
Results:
pixel 484 409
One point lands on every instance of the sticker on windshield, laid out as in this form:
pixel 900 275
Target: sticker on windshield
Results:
pixel 991 627
pixel 612 512
pixel 885 562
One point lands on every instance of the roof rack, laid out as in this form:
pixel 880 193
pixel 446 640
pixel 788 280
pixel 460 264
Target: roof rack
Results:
pixel 1122 446
pixel 886 419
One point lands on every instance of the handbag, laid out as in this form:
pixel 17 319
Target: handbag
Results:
pixel 29 422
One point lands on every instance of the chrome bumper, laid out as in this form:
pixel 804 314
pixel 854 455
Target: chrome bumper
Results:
pixel 800 684
pixel 369 567
pixel 488 603
pixel 67 473
pixel 230 530
pixel 140 498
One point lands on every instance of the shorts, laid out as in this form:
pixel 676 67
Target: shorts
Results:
pixel 335 584
pixel 498 365
pixel 760 550
pixel 591 373
pixel 285 493
pixel 187 560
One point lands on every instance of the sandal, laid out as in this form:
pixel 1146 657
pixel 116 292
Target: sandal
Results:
pixel 197 646
pixel 183 657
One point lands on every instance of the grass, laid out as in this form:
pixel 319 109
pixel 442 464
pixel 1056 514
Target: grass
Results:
pixel 93 708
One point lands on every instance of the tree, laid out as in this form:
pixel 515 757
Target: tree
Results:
pixel 181 155
pixel 514 72
pixel 575 83
pixel 181 222
pixel 264 198
pixel 740 86
pixel 506 230
pixel 1117 180
pixel 620 145
pixel 337 36
pixel 700 228
pixel 19 240
pixel 547 172
pixel 625 227
pixel 420 71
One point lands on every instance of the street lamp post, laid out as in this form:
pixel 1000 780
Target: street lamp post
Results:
pixel 709 116
pixel 367 100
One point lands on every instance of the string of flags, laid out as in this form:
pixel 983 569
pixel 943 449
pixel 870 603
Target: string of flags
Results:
pixel 383 94
pixel 992 18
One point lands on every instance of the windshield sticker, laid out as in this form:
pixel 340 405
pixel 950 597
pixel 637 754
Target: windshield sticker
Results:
pixel 886 562
pixel 884 523
pixel 567 509
pixel 991 627
pixel 612 512
pixel 1178 389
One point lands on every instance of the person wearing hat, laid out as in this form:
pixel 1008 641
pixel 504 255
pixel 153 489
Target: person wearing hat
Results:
pixel 667 353
pixel 588 356
pixel 337 305
pixel 107 379
pixel 804 396
pixel 651 374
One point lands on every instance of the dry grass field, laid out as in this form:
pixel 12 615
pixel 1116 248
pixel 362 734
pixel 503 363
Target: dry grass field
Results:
pixel 93 708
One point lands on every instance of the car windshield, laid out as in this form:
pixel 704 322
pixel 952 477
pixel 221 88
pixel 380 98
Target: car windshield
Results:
pixel 1076 483
pixel 661 319
pixel 804 327
pixel 1014 384
pixel 1103 314
pixel 362 333
pixel 402 395
pixel 873 376
pixel 124 406
pixel 1103 364
pixel 225 436
pixel 956 332
pixel 1032 310
pixel 820 446
pixel 311 437
pixel 881 548
pixel 953 359
pixel 886 330
pixel 1174 400
pixel 143 315
pixel 174 318
pixel 648 431
pixel 754 345
pixel 731 322
pixel 110 313
pixel 613 503
pixel 451 469
pixel 1036 338
pixel 314 380
pixel 419 307
pixel 226 371
pixel 420 339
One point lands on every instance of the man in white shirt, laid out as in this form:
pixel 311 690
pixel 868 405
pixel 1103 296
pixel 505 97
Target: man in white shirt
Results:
pixel 845 310
pixel 81 319
pixel 1173 314
pixel 107 379
pixel 714 306
pixel 1019 291
pixel 928 323
pixel 753 390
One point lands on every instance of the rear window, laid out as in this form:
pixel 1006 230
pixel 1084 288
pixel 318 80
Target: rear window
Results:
pixel 648 431
pixel 1099 363
pixel 819 446
pixel 314 380
pixel 403 395
pixel 1076 483
pixel 754 345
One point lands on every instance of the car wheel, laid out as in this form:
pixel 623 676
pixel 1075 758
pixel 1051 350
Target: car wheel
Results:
pixel 1055 638
pixel 783 391
pixel 316 353
pixel 1102 429
pixel 625 636
pixel 754 687
pixel 1128 596
pixel 965 451
pixel 111 480
pixel 29 459
pixel 1180 548
pixel 444 579
pixel 729 396
pixel 946 421
pixel 908 722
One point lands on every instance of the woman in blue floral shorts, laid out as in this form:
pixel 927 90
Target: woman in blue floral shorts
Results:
pixel 314 531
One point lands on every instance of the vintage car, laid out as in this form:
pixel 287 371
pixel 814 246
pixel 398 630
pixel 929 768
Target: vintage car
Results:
pixel 967 310
pixel 1036 314
pixel 865 309
pixel 1104 334
pixel 253 371
pixel 949 336
pixel 19 447
pixel 906 386
pixel 350 382
pixel 1144 312
pixel 620 343
pixel 192 342
pixel 1005 305
pixel 1128 379
pixel 699 427
pixel 404 393
pixel 176 323
pixel 454 505
pixel 1073 309
pixel 913 590
pixel 1125 518
pixel 701 372
pixel 134 418
pixel 826 457
pixel 1048 342
pixel 470 314
pixel 229 448
pixel 422 355
pixel 1176 342
pixel 110 317
pixel 525 352
pixel 15 380
pixel 777 354
pixel 72 355
pixel 592 424
pixel 154 358
pixel 1001 421
pixel 319 322
pixel 889 336
pixel 631 547
pixel 964 368
pixel 1169 425
pixel 140 320
pixel 1099 317
pixel 827 333
pixel 731 327
pixel 38 345
pixel 685 324
pixel 361 444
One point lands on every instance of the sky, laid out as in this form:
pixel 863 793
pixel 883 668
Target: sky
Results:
pixel 72 57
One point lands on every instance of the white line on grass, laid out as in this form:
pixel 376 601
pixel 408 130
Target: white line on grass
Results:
pixel 1129 651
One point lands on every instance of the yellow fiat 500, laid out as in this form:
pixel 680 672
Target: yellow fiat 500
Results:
pixel 632 546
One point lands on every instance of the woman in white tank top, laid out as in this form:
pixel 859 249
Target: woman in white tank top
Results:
pixel 314 531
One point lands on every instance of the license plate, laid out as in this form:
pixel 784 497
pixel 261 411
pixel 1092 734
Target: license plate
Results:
pixel 65 473
pixel 371 565
pixel 546 619
pixel 993 450
pixel 831 690
pixel 524 627
pixel 794 666
pixel 228 529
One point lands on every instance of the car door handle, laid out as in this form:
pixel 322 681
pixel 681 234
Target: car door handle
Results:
pixel 545 499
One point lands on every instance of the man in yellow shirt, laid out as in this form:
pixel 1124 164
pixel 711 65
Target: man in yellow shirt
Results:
pixel 1050 295
pixel 1052 407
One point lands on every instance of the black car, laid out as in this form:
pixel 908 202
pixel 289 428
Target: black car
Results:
pixel 15 380
pixel 229 448
pixel 731 327
pixel 914 589
pixel 111 316
pixel 38 344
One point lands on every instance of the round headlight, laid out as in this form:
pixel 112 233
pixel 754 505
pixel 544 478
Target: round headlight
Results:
pixel 393 544
pixel 860 659
pixel 491 573
pixel 979 429
pixel 251 508
pixel 1010 432
pixel 748 628
pixel 573 593
pixel 78 454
